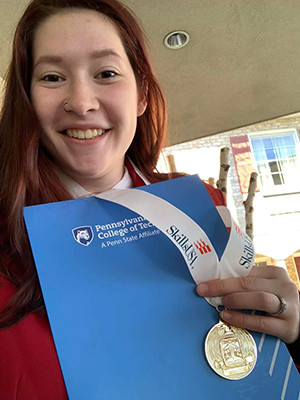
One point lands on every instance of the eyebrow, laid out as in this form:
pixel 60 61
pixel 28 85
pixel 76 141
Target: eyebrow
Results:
pixel 51 59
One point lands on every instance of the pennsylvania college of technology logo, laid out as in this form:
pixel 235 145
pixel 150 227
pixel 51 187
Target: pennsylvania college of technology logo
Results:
pixel 83 235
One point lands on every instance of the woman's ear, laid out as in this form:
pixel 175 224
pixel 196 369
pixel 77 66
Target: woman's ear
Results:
pixel 142 100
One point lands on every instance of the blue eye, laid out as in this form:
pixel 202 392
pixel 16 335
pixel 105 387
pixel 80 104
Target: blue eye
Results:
pixel 52 78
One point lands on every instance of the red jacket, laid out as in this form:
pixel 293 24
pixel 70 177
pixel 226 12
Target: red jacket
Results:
pixel 29 367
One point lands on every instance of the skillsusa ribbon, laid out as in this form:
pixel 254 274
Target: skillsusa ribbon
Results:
pixel 190 239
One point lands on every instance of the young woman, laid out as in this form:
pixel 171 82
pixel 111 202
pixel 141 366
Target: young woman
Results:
pixel 83 113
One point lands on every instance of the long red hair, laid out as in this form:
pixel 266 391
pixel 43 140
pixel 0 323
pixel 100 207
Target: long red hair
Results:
pixel 27 174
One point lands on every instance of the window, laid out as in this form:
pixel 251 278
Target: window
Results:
pixel 261 264
pixel 276 159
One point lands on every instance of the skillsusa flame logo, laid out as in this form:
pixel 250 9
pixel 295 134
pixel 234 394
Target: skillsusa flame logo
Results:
pixel 202 247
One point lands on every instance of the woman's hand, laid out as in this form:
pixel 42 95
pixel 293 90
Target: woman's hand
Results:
pixel 259 291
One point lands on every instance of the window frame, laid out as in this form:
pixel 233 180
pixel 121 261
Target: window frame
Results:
pixel 284 187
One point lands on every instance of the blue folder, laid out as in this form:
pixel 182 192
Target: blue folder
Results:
pixel 125 317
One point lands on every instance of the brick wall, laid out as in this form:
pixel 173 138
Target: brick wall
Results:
pixel 223 140
pixel 292 270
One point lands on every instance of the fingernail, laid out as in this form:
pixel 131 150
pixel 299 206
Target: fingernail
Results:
pixel 202 289
pixel 225 314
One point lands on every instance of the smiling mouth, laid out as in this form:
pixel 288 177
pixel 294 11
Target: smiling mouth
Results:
pixel 86 134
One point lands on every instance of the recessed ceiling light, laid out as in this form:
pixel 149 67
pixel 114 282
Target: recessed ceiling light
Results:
pixel 176 40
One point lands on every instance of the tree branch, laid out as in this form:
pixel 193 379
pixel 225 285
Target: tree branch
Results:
pixel 248 204
pixel 224 167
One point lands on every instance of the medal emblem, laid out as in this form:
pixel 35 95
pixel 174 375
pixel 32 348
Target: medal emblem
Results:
pixel 230 351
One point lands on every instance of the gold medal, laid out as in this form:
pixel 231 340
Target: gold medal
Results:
pixel 230 351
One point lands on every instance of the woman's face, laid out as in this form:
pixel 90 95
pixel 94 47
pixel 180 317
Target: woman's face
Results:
pixel 78 58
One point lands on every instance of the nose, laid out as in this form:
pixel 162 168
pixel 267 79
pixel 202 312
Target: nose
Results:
pixel 81 97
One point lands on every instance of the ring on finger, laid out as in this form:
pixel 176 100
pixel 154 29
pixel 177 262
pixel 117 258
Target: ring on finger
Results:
pixel 283 306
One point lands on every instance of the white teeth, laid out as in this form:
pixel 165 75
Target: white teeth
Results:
pixel 95 133
pixel 80 135
pixel 87 134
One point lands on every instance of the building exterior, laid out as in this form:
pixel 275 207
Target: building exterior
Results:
pixel 272 149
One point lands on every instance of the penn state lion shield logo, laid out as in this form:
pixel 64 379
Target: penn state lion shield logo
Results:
pixel 83 235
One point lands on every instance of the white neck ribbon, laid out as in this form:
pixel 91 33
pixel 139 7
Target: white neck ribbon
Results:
pixel 237 259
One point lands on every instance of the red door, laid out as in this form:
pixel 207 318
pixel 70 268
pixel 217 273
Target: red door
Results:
pixel 297 263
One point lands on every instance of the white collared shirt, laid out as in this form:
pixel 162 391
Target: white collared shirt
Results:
pixel 77 191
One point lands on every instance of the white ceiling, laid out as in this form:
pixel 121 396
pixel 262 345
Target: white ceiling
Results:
pixel 241 65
